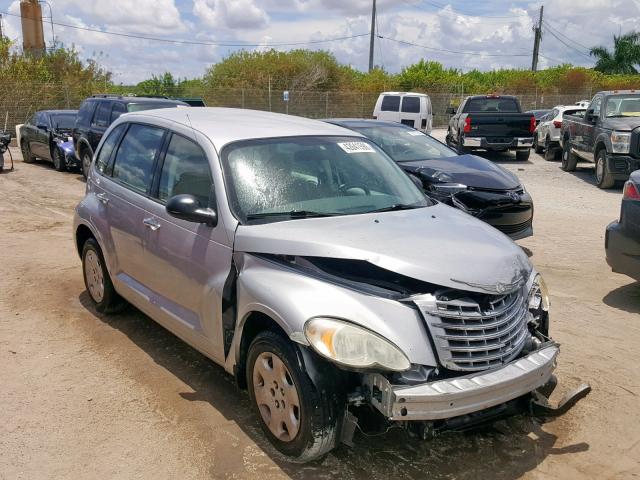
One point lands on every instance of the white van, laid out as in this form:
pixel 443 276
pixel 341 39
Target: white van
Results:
pixel 412 109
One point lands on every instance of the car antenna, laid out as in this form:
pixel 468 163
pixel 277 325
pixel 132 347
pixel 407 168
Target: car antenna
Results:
pixel 192 129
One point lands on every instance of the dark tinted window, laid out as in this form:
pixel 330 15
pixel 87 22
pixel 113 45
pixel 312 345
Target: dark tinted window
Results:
pixel 503 105
pixel 185 170
pixel 390 103
pixel 104 154
pixel 136 155
pixel 64 121
pixel 411 104
pixel 103 114
pixel 118 109
pixel 86 112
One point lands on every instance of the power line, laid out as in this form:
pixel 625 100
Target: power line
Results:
pixel 455 51
pixel 455 12
pixel 222 43
pixel 546 23
pixel 567 45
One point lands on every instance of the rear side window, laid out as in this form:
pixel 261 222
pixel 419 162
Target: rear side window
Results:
pixel 102 160
pixel 390 103
pixel 136 156
pixel 103 115
pixel 185 171
pixel 86 113
pixel 118 109
pixel 411 104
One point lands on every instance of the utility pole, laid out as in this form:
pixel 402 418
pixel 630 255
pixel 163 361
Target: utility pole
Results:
pixel 1 34
pixel 373 34
pixel 536 42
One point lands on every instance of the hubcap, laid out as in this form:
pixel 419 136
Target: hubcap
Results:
pixel 93 274
pixel 276 396
pixel 599 169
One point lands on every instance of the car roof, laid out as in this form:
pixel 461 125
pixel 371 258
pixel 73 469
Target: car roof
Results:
pixel 364 122
pixel 491 96
pixel 53 112
pixel 405 93
pixel 620 92
pixel 226 125
pixel 133 99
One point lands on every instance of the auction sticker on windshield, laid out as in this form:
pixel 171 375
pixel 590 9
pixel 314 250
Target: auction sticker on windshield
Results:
pixel 356 147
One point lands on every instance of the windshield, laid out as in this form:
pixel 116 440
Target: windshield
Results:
pixel 406 144
pixel 297 177
pixel 63 121
pixel 138 107
pixel 623 106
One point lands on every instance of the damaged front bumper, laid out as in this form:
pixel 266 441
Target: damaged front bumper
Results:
pixel 442 399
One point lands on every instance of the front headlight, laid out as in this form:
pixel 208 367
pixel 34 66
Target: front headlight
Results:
pixel 620 142
pixel 539 296
pixel 353 346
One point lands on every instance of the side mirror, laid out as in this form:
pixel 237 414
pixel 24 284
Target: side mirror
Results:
pixel 589 115
pixel 451 111
pixel 187 207
pixel 43 127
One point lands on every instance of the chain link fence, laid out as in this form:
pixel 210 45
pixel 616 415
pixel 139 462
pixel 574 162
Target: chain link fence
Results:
pixel 18 103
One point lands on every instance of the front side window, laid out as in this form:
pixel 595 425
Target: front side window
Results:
pixel 411 104
pixel 103 114
pixel 104 154
pixel 595 105
pixel 390 103
pixel 405 144
pixel 133 166
pixel 185 171
pixel 277 178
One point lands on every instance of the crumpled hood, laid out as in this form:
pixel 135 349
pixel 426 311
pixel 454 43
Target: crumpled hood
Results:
pixel 469 170
pixel 437 244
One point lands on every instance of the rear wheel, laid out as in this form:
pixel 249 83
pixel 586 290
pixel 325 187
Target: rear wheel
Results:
pixel 549 153
pixel 604 179
pixel 523 155
pixel 300 421
pixel 86 162
pixel 460 147
pixel 536 147
pixel 569 159
pixel 97 280
pixel 59 162
pixel 27 156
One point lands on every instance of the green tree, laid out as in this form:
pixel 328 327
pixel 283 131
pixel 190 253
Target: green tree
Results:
pixel 623 59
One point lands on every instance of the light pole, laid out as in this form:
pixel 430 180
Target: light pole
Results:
pixel 53 35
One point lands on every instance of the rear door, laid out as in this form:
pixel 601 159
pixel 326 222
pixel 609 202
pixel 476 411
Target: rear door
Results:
pixel 411 112
pixel 125 185
pixel 184 260
pixel 390 108
pixel 100 123
pixel 40 136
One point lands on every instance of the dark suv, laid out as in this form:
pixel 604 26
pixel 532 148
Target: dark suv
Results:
pixel 99 111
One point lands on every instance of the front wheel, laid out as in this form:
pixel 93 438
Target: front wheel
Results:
pixel 59 162
pixel 604 179
pixel 27 156
pixel 523 155
pixel 300 421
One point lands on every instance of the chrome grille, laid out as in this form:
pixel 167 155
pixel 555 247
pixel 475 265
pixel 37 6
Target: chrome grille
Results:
pixel 476 331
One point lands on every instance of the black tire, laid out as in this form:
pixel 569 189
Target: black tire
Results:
pixel 549 153
pixel 523 155
pixel 447 139
pixel 110 302
pixel 27 156
pixel 604 179
pixel 569 159
pixel 536 148
pixel 460 147
pixel 85 162
pixel 59 163
pixel 320 412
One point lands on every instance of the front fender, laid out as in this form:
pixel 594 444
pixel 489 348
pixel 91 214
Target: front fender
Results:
pixel 291 298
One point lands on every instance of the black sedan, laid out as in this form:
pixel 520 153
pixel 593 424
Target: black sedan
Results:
pixel 46 135
pixel 622 239
pixel 472 184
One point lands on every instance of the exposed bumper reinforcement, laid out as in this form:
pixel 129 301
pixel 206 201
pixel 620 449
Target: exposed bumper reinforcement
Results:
pixel 462 395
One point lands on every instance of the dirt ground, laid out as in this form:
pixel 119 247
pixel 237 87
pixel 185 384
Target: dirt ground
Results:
pixel 89 396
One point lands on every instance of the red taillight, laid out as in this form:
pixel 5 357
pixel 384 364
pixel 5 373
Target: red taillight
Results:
pixel 467 125
pixel 630 192
pixel 532 124
pixel 557 124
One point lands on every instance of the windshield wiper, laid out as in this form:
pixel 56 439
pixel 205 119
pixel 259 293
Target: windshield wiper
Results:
pixel 397 206
pixel 291 214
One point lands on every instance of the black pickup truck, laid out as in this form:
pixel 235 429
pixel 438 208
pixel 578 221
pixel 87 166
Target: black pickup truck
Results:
pixel 608 135
pixel 491 122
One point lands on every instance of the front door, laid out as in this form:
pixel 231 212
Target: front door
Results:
pixel 186 263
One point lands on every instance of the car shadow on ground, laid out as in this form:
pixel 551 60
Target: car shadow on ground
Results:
pixel 506 450
pixel 625 298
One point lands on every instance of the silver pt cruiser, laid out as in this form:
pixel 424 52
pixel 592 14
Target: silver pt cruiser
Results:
pixel 299 257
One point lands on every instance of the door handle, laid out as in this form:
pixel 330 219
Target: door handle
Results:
pixel 103 198
pixel 151 223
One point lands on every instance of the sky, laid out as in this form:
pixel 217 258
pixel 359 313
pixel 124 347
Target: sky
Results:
pixel 461 34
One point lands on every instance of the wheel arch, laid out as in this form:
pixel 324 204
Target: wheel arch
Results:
pixel 600 145
pixel 83 144
pixel 82 234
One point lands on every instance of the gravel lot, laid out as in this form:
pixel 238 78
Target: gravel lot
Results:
pixel 89 396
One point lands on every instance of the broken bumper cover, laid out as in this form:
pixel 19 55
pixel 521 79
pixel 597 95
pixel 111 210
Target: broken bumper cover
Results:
pixel 452 397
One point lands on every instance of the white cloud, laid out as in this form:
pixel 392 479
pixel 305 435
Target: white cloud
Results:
pixel 230 14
